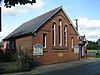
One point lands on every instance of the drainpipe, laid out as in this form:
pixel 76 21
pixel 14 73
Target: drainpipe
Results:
pixel 79 54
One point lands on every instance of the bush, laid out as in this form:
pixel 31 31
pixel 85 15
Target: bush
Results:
pixel 20 62
pixel 24 58
pixel 97 55
pixel 6 57
pixel 20 56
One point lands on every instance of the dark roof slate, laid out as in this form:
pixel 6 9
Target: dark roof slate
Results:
pixel 32 25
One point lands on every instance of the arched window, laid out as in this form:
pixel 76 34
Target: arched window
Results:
pixel 54 34
pixel 44 40
pixel 72 42
pixel 65 35
pixel 60 32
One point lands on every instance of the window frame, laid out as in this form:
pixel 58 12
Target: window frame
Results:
pixel 54 34
pixel 60 32
pixel 44 40
pixel 65 35
pixel 72 42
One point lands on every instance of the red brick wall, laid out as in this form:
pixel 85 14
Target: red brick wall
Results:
pixel 25 43
pixel 51 54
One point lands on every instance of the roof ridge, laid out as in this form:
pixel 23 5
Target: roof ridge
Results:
pixel 32 25
pixel 44 14
pixel 57 9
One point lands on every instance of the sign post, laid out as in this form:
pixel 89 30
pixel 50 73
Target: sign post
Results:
pixel 38 49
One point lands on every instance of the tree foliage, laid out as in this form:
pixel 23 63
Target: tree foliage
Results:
pixel 98 42
pixel 93 45
pixel 10 3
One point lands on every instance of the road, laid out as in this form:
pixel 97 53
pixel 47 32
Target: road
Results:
pixel 85 69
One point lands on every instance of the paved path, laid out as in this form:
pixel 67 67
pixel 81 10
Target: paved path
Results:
pixel 56 67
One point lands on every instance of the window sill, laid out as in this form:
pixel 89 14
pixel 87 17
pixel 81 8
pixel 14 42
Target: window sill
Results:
pixel 45 49
pixel 72 49
pixel 59 48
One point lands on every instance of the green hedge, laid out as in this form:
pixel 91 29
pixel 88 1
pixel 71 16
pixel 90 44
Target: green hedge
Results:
pixel 97 55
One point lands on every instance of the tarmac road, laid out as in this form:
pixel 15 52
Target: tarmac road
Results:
pixel 90 66
pixel 85 69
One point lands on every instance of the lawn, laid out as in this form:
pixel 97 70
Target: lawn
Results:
pixel 93 53
pixel 96 51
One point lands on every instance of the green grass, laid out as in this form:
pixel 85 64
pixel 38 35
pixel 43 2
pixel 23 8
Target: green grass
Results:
pixel 96 51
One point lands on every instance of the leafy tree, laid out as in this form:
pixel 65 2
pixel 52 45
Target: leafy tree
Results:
pixel 98 43
pixel 9 3
pixel 92 45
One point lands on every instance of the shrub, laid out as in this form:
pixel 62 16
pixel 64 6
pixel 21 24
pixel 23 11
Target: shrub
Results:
pixel 24 58
pixel 97 55
pixel 21 62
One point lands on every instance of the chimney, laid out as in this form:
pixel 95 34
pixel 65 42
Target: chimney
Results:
pixel 76 24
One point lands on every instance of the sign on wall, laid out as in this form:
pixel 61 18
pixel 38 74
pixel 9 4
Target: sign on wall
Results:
pixel 76 49
pixel 38 49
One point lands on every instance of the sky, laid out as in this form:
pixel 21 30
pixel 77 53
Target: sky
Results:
pixel 86 11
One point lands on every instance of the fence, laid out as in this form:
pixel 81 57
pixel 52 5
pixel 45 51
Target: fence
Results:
pixel 91 54
pixel 16 61
pixel 14 67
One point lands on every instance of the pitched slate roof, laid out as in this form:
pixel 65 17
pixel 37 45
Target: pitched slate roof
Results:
pixel 32 25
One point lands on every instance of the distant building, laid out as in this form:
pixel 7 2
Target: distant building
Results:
pixel 54 31
pixel 83 46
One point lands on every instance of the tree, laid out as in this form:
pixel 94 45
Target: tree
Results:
pixel 98 43
pixel 92 45
pixel 10 3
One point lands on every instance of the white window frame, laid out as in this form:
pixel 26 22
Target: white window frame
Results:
pixel 60 39
pixel 72 42
pixel 65 35
pixel 54 35
pixel 45 40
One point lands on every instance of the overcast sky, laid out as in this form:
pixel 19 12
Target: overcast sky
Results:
pixel 86 11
